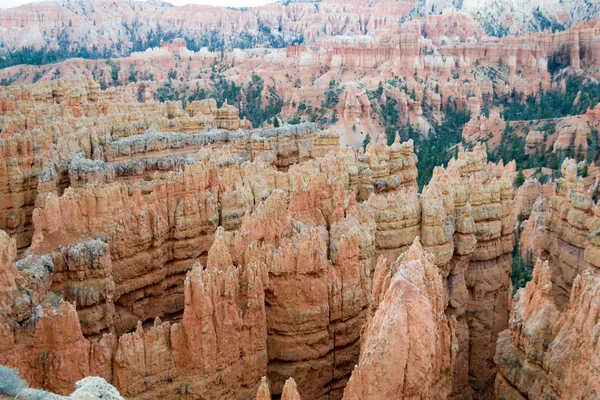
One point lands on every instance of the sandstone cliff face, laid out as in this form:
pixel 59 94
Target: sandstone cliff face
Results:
pixel 548 350
pixel 177 252
pixel 105 136
pixel 532 230
pixel 547 353
pixel 145 206
pixel 408 344
pixel 41 156
pixel 323 252
pixel 488 276
pixel 387 169
pixel 23 283
pixel 134 226
pixel 468 227
pixel 527 195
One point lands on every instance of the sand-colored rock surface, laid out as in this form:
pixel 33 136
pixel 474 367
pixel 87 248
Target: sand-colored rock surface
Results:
pixel 567 238
pixel 216 341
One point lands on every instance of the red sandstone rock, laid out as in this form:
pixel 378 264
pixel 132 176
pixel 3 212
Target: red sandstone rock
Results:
pixel 408 345
pixel 568 222
pixel 288 225
pixel 313 243
pixel 222 337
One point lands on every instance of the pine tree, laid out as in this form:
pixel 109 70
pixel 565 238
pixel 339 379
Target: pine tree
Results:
pixel 519 179
pixel 366 142
pixel 584 170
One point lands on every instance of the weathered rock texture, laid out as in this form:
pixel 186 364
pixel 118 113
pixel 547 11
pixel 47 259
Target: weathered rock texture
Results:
pixel 41 156
pixel 532 230
pixel 317 252
pixel 131 196
pixel 549 350
pixel 527 195
pixel 547 353
pixel 218 350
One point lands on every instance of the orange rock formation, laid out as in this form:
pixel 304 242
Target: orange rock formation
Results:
pixel 547 353
pixel 408 344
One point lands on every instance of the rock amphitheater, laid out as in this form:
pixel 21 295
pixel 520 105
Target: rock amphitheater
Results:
pixel 171 250
pixel 180 254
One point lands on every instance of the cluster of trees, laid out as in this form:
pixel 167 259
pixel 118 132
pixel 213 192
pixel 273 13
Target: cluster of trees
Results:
pixel 320 114
pixel 389 113
pixel 65 48
pixel 434 149
pixel 224 89
pixel 332 95
pixel 495 28
pixel 512 147
pixel 440 145
pixel 45 55
pixel 316 114
pixel 554 103
pixel 542 22
pixel 140 40
pixel 558 61
pixel 522 269
pixel 252 109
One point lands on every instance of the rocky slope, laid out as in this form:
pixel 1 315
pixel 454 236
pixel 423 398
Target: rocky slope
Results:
pixel 548 351
pixel 569 241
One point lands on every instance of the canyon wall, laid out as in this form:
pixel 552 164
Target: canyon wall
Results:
pixel 40 155
pixel 124 200
pixel 175 251
pixel 568 240
pixel 217 350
